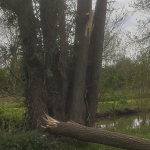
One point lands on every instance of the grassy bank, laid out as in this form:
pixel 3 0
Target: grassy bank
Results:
pixel 123 106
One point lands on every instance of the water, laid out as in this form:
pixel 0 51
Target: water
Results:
pixel 126 121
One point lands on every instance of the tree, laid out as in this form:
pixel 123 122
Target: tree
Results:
pixel 61 85
pixel 3 77
pixel 143 25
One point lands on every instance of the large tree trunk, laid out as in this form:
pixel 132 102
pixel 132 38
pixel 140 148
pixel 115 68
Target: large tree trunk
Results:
pixel 33 68
pixel 88 134
pixel 36 91
pixel 95 60
pixel 78 107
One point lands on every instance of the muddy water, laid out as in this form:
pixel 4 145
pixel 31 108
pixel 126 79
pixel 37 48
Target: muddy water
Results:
pixel 126 121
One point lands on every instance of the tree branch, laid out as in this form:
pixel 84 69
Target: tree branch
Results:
pixel 88 134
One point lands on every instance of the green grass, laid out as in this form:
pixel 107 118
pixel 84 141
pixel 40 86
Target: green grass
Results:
pixel 11 114
pixel 12 110
pixel 132 104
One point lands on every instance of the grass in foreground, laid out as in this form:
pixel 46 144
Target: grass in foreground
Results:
pixel 35 140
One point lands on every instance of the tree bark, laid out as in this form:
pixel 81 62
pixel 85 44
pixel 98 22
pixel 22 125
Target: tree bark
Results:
pixel 49 18
pixel 62 66
pixel 33 68
pixel 78 108
pixel 95 60
pixel 89 134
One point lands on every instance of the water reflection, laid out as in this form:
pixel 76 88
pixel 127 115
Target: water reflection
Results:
pixel 128 121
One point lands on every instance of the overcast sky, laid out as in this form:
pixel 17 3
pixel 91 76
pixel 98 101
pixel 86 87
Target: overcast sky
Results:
pixel 131 22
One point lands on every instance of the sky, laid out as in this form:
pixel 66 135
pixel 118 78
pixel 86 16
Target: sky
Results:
pixel 131 22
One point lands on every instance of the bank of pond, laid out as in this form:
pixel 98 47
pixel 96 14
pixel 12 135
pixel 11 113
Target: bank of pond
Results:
pixel 14 134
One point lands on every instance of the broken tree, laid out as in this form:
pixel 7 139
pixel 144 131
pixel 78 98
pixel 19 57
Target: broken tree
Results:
pixel 89 134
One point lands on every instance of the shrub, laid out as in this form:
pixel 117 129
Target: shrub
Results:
pixel 31 140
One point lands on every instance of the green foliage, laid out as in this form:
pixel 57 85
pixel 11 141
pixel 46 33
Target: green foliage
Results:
pixel 11 114
pixel 3 75
pixel 3 78
pixel 49 73
pixel 126 80
pixel 30 140
pixel 122 101
pixel 14 136
pixel 73 144
pixel 123 106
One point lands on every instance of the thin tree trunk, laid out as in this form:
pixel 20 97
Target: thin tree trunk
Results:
pixel 49 18
pixel 78 108
pixel 48 15
pixel 95 60
pixel 88 134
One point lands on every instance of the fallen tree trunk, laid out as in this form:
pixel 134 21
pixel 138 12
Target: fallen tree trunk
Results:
pixel 88 134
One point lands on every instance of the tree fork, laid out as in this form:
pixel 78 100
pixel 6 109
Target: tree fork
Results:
pixel 89 134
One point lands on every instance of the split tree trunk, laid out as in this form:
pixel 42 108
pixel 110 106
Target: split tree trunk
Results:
pixel 78 107
pixel 88 134
pixel 95 60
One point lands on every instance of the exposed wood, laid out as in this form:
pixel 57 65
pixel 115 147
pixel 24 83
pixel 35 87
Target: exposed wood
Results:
pixel 89 25
pixel 88 4
pixel 89 134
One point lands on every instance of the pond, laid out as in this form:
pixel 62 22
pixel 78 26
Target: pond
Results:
pixel 126 121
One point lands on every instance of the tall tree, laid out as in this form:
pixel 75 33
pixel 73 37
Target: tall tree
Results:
pixel 64 89
pixel 78 107
pixel 95 60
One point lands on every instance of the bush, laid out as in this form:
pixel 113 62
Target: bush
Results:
pixel 31 140
pixel 122 101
